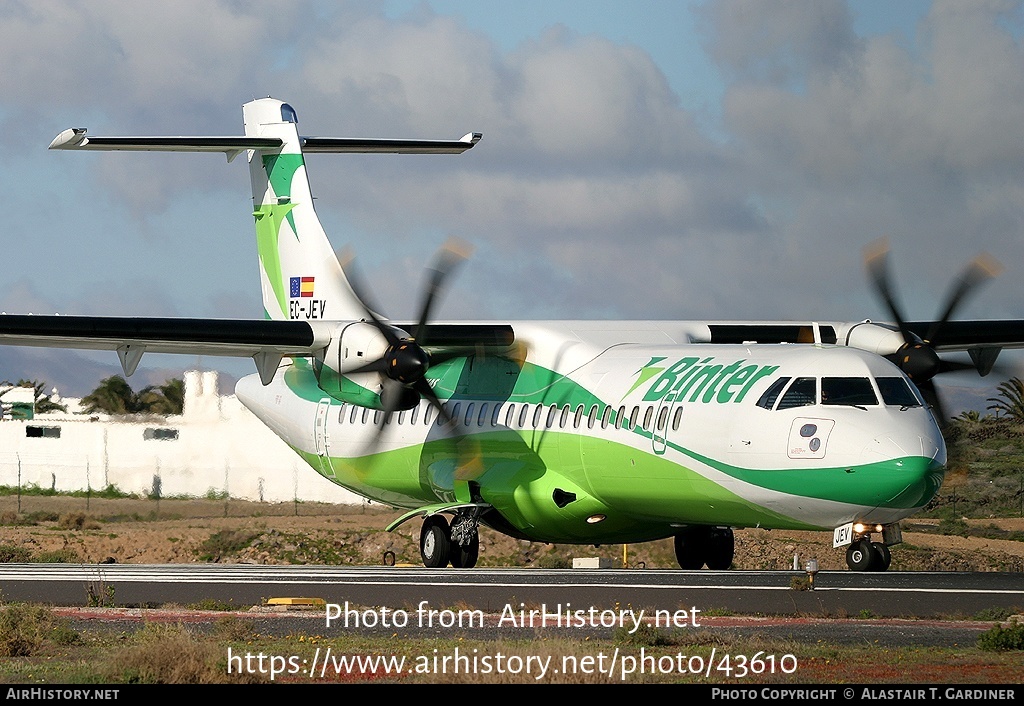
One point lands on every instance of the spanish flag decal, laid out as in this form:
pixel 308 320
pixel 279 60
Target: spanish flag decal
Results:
pixel 301 286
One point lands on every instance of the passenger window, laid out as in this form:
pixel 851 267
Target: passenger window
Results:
pixel 632 417
pixel 592 418
pixel 564 417
pixel 455 413
pixel 401 417
pixel 896 391
pixel 414 415
pixel 620 418
pixel 605 417
pixel 483 415
pixel 647 418
pixel 847 391
pixel 677 418
pixel 536 416
pixel 522 415
pixel 469 414
pixel 803 392
pixel 662 418
pixel 428 414
pixel 767 400
pixel 510 414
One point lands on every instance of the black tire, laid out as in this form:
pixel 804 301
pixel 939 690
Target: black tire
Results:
pixel 435 542
pixel 860 556
pixel 465 557
pixel 883 557
pixel 690 546
pixel 721 548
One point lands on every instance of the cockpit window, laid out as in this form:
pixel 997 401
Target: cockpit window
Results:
pixel 803 392
pixel 897 391
pixel 288 114
pixel 847 391
pixel 767 400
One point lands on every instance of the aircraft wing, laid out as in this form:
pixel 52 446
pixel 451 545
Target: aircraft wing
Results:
pixel 965 335
pixel 266 341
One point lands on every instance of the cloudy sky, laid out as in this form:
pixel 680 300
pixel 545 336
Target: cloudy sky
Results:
pixel 650 159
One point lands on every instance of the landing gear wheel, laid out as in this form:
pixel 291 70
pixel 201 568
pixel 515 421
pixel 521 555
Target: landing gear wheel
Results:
pixel 690 546
pixel 465 557
pixel 883 557
pixel 720 548
pixel 860 556
pixel 435 542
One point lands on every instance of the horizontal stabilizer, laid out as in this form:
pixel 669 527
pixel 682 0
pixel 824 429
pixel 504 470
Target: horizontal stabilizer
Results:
pixel 349 144
pixel 77 139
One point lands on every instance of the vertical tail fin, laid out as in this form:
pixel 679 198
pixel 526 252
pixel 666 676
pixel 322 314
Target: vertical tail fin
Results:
pixel 299 272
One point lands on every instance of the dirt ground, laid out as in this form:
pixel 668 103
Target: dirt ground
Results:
pixel 180 531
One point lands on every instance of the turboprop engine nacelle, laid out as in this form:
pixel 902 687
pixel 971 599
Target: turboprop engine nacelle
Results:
pixel 881 339
pixel 354 346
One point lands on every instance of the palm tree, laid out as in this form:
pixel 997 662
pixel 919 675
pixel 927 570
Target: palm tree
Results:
pixel 165 399
pixel 970 415
pixel 1010 402
pixel 112 396
pixel 43 403
pixel 115 396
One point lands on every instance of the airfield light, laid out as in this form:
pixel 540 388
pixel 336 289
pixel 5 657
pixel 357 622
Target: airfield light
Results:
pixel 594 519
pixel 812 569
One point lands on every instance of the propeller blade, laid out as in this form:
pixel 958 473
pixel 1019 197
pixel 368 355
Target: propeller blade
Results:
pixel 955 366
pixel 934 400
pixel 876 257
pixel 374 366
pixel 452 254
pixel 981 269
pixel 347 261
pixel 427 392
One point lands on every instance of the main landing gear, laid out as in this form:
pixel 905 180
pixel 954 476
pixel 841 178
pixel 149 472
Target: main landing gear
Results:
pixel 699 545
pixel 457 543
pixel 865 555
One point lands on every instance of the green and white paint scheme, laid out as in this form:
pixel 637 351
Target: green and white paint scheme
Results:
pixel 589 432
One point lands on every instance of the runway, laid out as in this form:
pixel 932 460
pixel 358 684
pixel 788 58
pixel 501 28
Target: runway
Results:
pixel 921 595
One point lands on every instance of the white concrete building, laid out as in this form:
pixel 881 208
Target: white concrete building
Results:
pixel 215 446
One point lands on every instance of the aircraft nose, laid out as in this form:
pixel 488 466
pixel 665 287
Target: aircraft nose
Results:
pixel 915 465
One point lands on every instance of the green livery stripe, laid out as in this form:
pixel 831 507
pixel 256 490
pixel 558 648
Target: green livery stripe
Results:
pixel 268 232
pixel 519 483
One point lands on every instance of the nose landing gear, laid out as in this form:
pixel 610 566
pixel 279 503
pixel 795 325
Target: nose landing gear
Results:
pixel 865 555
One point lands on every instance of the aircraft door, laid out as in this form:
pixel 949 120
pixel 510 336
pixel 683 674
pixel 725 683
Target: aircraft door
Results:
pixel 320 436
pixel 663 417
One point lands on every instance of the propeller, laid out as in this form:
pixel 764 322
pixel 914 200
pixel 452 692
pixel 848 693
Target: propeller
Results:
pixel 405 360
pixel 917 357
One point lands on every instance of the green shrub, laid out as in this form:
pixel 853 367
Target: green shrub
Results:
pixel 1003 639
pixel 24 629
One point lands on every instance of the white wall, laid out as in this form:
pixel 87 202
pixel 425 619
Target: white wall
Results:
pixel 221 447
